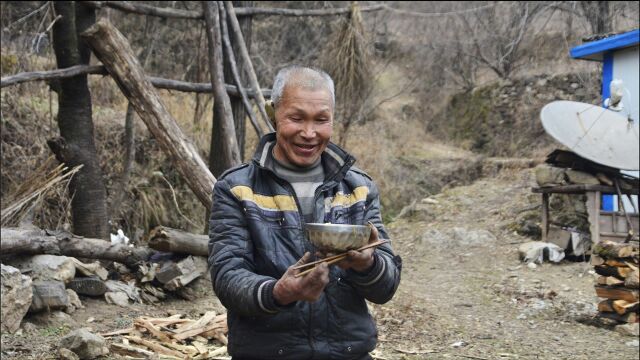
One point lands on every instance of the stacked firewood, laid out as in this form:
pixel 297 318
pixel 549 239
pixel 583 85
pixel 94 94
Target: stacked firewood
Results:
pixel 618 282
pixel 173 337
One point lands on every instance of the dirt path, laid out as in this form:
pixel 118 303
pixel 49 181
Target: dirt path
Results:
pixel 465 294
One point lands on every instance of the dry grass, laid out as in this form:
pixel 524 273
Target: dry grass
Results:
pixel 28 120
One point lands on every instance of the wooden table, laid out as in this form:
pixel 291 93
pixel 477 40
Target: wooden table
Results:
pixel 614 224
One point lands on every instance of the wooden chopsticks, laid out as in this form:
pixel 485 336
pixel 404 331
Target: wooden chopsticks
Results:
pixel 334 259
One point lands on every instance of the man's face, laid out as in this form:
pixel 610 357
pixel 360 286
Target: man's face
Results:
pixel 304 124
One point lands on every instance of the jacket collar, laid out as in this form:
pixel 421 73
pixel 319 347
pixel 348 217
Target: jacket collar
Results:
pixel 335 160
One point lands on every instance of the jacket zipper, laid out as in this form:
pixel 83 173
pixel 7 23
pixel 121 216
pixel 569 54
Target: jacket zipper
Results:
pixel 292 191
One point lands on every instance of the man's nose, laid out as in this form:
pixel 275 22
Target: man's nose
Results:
pixel 309 129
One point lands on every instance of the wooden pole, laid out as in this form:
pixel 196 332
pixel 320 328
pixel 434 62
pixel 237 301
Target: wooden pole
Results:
pixel 234 70
pixel 160 83
pixel 143 9
pixel 113 49
pixel 36 241
pixel 253 79
pixel 224 152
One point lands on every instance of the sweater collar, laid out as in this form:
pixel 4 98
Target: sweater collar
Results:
pixel 335 160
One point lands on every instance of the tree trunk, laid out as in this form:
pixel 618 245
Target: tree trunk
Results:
pixel 177 241
pixel 111 47
pixel 224 151
pixel 236 103
pixel 89 200
pixel 30 241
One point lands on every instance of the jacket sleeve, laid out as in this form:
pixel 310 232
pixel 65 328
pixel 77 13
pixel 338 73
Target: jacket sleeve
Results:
pixel 380 283
pixel 235 281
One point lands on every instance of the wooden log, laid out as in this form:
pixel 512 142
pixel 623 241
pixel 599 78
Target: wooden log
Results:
pixel 158 82
pixel 627 318
pixel 622 306
pixel 606 306
pixel 609 280
pixel 596 260
pixel 111 47
pixel 35 241
pixel 610 249
pixel 617 293
pixel 143 9
pixel 632 280
pixel 616 262
pixel 246 60
pixel 619 272
pixel 177 241
pixel 224 152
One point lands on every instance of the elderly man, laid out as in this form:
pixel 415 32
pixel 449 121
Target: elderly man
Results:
pixel 257 236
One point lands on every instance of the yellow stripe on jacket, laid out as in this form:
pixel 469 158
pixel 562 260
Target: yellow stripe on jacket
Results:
pixel 277 202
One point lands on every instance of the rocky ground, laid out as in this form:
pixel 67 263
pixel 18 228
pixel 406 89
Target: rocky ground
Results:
pixel 464 293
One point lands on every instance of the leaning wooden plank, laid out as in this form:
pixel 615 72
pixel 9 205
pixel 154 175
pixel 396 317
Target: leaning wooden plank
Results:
pixel 177 241
pixel 113 49
pixel 34 241
pixel 160 349
pixel 246 60
pixel 617 293
pixel 223 142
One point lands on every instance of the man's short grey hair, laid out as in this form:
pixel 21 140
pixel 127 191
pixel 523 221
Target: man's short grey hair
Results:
pixel 306 77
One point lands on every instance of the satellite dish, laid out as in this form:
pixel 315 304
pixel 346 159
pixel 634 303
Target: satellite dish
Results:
pixel 593 132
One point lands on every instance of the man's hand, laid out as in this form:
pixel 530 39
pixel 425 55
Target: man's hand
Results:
pixel 360 261
pixel 308 288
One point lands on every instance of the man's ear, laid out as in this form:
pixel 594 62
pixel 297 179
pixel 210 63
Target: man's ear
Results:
pixel 271 112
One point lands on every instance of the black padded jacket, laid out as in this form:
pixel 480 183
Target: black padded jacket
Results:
pixel 256 232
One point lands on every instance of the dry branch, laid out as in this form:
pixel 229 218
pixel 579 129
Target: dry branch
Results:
pixel 111 47
pixel 53 74
pixel 30 241
pixel 142 9
pixel 160 83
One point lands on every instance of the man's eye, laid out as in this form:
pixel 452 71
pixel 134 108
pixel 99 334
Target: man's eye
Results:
pixel 295 118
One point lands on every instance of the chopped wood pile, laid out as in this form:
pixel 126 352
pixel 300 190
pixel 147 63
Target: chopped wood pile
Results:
pixel 618 283
pixel 174 337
